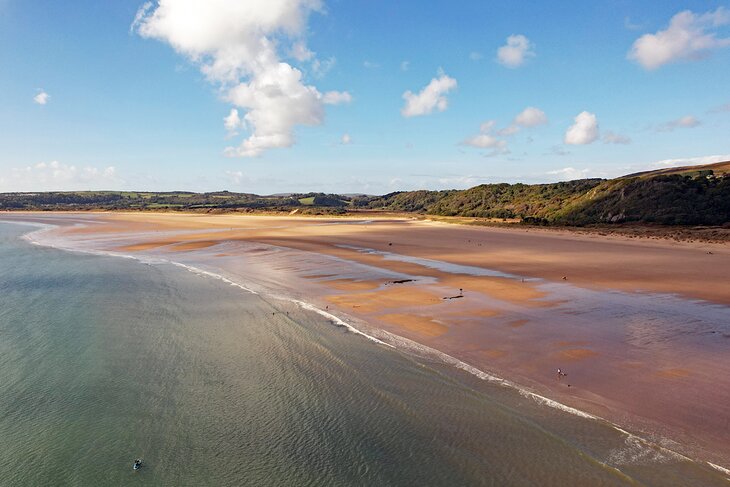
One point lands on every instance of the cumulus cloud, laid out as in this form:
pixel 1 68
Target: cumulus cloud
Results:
pixel 613 138
pixel 486 140
pixel 685 122
pixel 583 131
pixel 56 176
pixel 515 52
pixel 235 44
pixel 529 117
pixel 41 97
pixel 346 139
pixel 432 97
pixel 689 36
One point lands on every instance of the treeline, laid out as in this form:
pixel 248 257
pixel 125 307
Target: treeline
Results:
pixel 698 198
pixel 685 196
pixel 168 201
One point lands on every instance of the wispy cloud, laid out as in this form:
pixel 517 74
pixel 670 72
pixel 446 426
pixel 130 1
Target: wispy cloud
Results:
pixel 688 121
pixel 691 161
pixel 56 176
pixel 720 109
pixel 613 138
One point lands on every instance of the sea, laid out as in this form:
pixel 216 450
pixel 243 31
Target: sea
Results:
pixel 105 359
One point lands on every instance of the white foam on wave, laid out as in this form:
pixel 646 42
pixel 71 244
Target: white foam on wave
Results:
pixel 337 321
pixel 720 469
pixel 202 272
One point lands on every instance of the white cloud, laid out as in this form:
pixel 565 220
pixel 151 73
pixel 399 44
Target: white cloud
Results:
pixel 570 173
pixel 475 56
pixel 41 98
pixel 346 139
pixel 235 45
pixel 691 161
pixel 319 67
pixel 688 37
pixel 55 176
pixel 487 126
pixel 336 97
pixel 432 97
pixel 405 65
pixel 515 52
pixel 507 131
pixel 301 52
pixel 531 117
pixel 613 138
pixel 583 131
pixel 232 122
pixel 686 122
pixel 139 16
pixel 485 139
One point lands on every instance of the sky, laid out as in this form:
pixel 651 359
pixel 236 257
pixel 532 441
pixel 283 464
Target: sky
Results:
pixel 275 96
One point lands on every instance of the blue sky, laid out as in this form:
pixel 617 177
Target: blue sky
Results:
pixel 91 99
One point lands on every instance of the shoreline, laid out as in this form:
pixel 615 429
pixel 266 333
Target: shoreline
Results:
pixel 413 347
pixel 359 316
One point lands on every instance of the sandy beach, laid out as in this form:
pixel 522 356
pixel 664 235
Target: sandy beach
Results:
pixel 639 326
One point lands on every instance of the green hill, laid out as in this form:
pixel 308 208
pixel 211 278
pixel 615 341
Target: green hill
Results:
pixel 694 195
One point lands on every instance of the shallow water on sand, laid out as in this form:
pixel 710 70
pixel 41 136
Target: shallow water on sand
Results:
pixel 104 359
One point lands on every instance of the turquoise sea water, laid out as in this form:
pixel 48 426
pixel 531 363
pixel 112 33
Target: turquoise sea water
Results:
pixel 103 360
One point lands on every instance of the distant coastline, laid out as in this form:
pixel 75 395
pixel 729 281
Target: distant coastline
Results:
pixel 669 203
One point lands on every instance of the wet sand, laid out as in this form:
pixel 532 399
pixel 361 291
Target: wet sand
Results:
pixel 620 316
